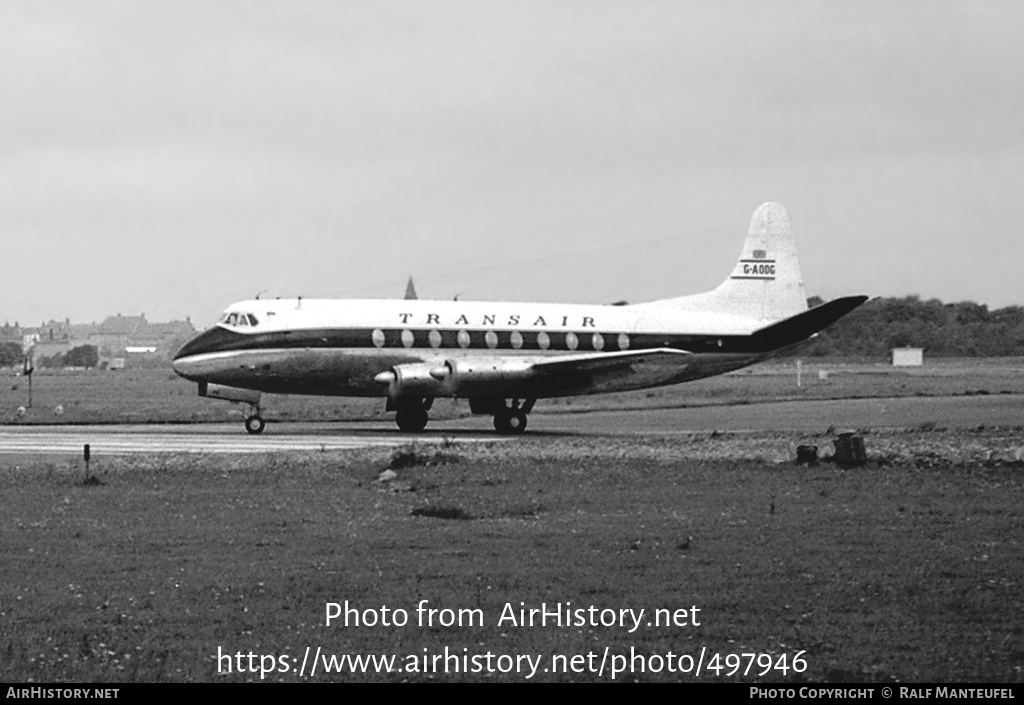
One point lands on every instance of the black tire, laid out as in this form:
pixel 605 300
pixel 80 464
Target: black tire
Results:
pixel 510 422
pixel 411 420
pixel 501 422
pixel 255 424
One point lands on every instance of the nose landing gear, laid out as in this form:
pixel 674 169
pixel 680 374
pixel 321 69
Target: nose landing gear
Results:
pixel 255 424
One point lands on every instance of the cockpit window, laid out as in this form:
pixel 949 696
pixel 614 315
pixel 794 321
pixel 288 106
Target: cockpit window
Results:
pixel 242 320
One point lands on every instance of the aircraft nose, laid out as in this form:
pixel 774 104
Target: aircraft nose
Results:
pixel 182 366
pixel 190 367
pixel 189 360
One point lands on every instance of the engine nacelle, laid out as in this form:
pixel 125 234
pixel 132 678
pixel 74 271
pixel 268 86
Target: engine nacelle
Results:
pixel 413 379
pixel 473 377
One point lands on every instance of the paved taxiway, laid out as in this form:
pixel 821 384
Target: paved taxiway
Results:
pixel 218 438
pixel 960 412
pixel 796 416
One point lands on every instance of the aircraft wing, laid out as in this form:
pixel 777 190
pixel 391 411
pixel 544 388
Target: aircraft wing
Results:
pixel 596 363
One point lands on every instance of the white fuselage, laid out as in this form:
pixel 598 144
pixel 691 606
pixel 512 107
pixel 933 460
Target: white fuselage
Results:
pixel 504 356
pixel 337 347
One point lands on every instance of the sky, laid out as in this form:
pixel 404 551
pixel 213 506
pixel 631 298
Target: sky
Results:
pixel 171 157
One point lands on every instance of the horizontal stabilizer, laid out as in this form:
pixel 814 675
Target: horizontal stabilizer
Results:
pixel 602 362
pixel 803 325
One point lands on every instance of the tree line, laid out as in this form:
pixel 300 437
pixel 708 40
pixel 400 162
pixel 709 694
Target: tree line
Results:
pixel 83 356
pixel 87 356
pixel 965 329
pixel 10 354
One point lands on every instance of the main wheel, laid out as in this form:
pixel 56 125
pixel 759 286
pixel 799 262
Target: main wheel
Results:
pixel 411 420
pixel 510 422
pixel 255 424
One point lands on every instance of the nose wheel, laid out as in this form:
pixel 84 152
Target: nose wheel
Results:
pixel 255 424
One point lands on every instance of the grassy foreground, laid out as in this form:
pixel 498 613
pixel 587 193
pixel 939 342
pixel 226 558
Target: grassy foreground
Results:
pixel 876 573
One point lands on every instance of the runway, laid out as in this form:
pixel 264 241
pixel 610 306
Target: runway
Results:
pixel 786 417
pixel 219 438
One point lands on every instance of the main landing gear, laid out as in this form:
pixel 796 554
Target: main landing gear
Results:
pixel 509 418
pixel 411 414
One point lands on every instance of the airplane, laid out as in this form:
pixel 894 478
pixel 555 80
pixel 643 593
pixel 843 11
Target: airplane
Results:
pixel 504 356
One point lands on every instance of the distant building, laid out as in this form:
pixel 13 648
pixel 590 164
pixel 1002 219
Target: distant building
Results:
pixel 118 335
pixel 48 348
pixel 54 331
pixel 114 338
pixel 11 334
pixel 907 357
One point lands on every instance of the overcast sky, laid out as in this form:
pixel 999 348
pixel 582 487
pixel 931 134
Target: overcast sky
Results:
pixel 169 158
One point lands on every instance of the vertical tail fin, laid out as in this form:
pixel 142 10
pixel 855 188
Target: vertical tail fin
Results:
pixel 766 284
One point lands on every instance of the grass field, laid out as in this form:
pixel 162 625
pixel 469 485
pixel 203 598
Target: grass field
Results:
pixel 878 573
pixel 907 569
pixel 160 396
